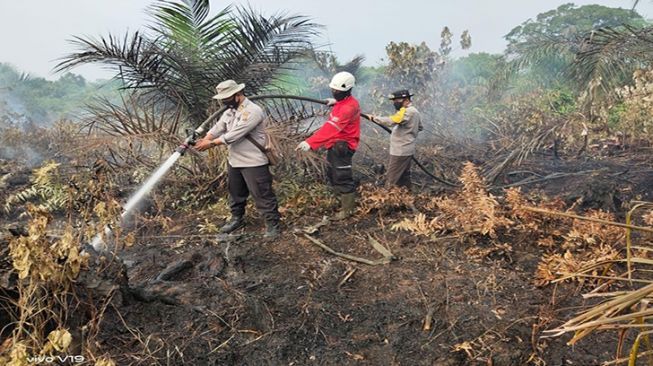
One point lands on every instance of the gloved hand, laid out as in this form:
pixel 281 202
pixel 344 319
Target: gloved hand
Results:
pixel 303 146
pixel 330 101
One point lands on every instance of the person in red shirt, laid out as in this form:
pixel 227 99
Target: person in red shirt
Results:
pixel 340 135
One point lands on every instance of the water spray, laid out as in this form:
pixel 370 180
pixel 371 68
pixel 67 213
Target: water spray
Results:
pixel 98 243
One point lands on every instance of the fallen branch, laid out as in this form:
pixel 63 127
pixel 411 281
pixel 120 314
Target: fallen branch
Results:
pixel 578 217
pixel 384 260
pixel 380 248
pixel 556 175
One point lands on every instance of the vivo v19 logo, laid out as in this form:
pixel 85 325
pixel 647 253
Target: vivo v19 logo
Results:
pixel 53 359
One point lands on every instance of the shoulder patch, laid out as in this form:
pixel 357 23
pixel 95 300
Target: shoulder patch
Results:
pixel 399 116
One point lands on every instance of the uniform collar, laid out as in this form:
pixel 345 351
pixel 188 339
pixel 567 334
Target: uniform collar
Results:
pixel 243 105
pixel 344 99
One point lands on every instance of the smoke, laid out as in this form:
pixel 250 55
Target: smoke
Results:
pixel 23 154
pixel 20 139
pixel 12 111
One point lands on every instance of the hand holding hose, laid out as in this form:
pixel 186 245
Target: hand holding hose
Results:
pixel 206 143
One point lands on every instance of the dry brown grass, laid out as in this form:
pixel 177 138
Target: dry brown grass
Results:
pixel 383 200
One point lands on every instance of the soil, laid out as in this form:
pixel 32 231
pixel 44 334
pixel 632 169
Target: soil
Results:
pixel 249 301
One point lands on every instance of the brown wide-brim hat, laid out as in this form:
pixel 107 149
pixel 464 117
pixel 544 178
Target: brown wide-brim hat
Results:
pixel 227 88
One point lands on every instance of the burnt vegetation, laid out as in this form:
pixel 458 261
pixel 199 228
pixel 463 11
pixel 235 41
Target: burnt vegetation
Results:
pixel 533 236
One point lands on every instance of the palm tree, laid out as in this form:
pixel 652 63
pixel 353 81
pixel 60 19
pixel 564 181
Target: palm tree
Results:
pixel 186 52
pixel 607 55
pixel 588 49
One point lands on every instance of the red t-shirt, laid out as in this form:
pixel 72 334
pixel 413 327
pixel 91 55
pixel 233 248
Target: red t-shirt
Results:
pixel 344 124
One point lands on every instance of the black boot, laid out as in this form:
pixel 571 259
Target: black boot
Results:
pixel 235 223
pixel 272 229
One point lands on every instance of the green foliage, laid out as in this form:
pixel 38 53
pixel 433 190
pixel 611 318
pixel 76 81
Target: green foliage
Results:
pixel 421 69
pixel 475 77
pixel 475 68
pixel 614 115
pixel 416 66
pixel 562 102
pixel 46 189
pixel 568 20
pixel 42 101
pixel 547 47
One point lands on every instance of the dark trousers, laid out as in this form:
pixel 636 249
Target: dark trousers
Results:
pixel 339 172
pixel 256 181
pixel 399 171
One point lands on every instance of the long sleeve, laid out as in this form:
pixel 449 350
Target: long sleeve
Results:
pixel 219 128
pixel 338 120
pixel 398 118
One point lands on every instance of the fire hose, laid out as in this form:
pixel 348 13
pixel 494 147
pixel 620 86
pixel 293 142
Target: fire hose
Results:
pixel 193 135
pixel 98 242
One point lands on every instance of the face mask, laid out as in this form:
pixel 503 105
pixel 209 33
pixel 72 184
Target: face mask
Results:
pixel 230 103
pixel 398 104
pixel 340 95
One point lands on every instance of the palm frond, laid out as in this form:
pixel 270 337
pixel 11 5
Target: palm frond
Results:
pixel 134 116
pixel 261 47
pixel 186 25
pixel 192 52
pixel 635 3
pixel 542 49
pixel 135 58
pixel 607 55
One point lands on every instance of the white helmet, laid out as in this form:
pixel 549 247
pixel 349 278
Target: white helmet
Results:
pixel 342 81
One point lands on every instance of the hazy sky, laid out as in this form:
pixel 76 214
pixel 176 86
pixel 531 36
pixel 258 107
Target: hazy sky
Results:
pixel 34 33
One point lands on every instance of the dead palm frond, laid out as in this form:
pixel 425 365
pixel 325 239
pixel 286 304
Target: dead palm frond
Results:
pixel 133 117
pixel 329 64
pixel 628 309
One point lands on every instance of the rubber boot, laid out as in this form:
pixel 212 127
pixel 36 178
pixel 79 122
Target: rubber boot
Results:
pixel 347 206
pixel 235 223
pixel 272 229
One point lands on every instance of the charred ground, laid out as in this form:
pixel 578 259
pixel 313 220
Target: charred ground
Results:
pixel 194 298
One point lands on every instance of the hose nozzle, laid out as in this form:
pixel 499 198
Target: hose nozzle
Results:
pixel 191 139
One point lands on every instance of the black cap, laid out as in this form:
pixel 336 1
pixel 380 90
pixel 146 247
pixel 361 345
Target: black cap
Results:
pixel 404 93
